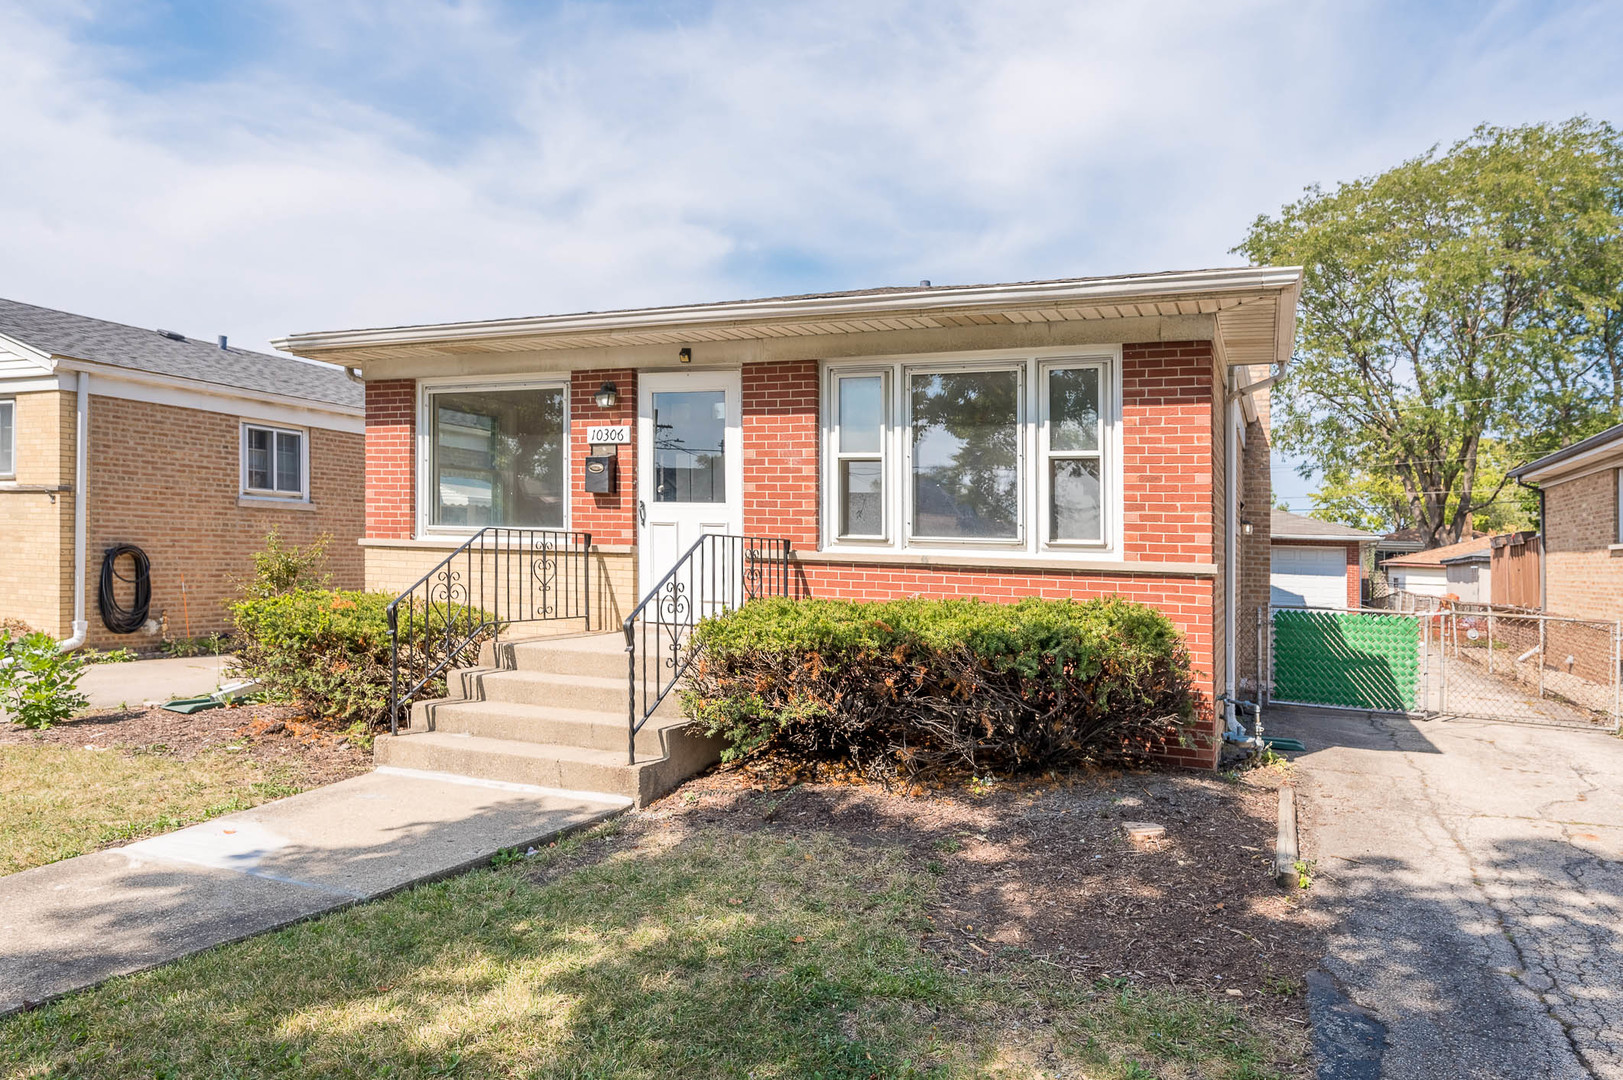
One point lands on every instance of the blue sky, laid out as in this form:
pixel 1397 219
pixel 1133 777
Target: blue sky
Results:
pixel 255 168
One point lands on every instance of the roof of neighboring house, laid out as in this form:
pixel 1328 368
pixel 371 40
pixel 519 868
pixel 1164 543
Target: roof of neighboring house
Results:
pixel 1285 525
pixel 1571 456
pixel 1254 308
pixel 79 337
pixel 1437 556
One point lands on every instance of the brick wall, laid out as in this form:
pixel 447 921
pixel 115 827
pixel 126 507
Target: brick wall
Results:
pixel 611 519
pixel 1583 578
pixel 391 458
pixel 36 528
pixel 1167 401
pixel 167 479
pixel 781 427
pixel 1256 556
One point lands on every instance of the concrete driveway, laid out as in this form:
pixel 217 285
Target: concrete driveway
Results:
pixel 135 682
pixel 1474 871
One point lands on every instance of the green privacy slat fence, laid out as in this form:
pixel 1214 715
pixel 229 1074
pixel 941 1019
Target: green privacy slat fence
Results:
pixel 1351 659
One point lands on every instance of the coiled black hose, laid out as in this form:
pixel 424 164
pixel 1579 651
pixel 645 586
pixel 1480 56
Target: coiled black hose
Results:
pixel 118 619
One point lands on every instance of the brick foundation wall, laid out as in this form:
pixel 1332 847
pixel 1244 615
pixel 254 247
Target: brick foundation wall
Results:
pixel 1583 578
pixel 391 458
pixel 167 479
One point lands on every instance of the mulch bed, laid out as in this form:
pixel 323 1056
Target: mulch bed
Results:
pixel 1042 869
pixel 272 734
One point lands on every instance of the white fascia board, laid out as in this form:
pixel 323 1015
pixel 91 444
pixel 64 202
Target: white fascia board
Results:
pixel 111 381
pixel 30 384
pixel 1323 539
pixel 1145 287
pixel 1577 466
pixel 27 353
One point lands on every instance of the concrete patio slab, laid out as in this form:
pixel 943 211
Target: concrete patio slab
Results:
pixel 75 923
pixel 139 681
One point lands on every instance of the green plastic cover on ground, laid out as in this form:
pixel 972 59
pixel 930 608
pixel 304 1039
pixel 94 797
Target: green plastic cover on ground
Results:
pixel 1348 658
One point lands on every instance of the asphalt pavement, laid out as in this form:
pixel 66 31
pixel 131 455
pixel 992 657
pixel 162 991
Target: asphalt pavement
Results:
pixel 1474 871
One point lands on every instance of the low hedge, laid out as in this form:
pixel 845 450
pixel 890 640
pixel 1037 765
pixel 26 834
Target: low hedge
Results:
pixel 329 649
pixel 924 686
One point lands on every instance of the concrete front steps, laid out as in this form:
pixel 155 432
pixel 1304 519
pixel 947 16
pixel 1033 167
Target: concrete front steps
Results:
pixel 549 712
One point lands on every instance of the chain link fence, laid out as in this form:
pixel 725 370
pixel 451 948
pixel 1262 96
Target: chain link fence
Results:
pixel 1451 660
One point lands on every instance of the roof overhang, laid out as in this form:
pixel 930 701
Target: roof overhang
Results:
pixel 1352 538
pixel 1579 458
pixel 1254 309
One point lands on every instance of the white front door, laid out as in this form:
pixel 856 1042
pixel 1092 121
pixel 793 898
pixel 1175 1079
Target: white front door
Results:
pixel 690 465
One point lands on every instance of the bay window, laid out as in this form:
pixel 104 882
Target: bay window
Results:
pixel 496 455
pixel 999 453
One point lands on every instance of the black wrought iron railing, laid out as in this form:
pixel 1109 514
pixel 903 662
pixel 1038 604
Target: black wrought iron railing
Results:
pixel 499 578
pixel 718 573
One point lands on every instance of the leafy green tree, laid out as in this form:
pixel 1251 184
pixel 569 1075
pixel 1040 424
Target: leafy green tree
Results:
pixel 1460 312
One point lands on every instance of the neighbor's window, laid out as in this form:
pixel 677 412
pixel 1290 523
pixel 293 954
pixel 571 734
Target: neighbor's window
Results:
pixel 498 456
pixel 272 462
pixel 8 437
pixel 943 449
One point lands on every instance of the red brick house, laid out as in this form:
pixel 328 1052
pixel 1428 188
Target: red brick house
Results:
pixel 1075 438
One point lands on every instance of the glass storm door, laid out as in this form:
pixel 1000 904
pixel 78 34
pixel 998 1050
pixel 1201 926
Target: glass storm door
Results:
pixel 690 467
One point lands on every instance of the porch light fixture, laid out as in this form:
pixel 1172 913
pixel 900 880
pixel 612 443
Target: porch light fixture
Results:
pixel 685 355
pixel 1245 526
pixel 607 395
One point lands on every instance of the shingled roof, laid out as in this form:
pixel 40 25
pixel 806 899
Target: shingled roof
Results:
pixel 79 337
pixel 1284 525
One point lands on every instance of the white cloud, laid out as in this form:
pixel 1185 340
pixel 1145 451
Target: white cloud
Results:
pixel 380 163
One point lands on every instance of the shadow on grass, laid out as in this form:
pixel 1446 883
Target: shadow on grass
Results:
pixel 693 953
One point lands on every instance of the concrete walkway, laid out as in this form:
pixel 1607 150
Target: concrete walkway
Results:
pixel 72 924
pixel 1473 869
pixel 110 685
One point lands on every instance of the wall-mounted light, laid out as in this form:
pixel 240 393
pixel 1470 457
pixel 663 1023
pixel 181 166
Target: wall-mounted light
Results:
pixel 606 396
pixel 685 355
pixel 1245 526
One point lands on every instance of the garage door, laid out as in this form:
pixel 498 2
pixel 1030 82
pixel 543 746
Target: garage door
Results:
pixel 1309 577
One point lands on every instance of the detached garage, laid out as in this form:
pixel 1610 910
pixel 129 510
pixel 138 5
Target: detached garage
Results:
pixel 1316 563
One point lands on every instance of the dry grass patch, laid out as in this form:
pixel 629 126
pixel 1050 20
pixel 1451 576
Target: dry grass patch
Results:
pixel 653 947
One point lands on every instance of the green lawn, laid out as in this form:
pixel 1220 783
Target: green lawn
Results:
pixel 58 801
pixel 676 952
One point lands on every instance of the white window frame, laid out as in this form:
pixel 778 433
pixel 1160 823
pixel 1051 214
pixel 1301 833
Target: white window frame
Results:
pixel 883 455
pixel 1032 530
pixel 10 449
pixel 1046 454
pixel 246 491
pixel 427 389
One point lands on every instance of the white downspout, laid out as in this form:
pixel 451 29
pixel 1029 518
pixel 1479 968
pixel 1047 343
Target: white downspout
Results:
pixel 1231 551
pixel 81 473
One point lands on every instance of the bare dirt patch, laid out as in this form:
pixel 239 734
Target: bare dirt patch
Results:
pixel 275 735
pixel 1043 870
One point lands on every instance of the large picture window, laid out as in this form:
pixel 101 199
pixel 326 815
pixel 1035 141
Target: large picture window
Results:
pixel 1003 453
pixel 497 456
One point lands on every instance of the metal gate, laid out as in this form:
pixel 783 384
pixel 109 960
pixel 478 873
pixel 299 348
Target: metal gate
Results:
pixel 1459 660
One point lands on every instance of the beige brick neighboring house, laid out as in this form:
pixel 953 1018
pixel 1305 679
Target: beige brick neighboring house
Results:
pixel 1582 489
pixel 182 461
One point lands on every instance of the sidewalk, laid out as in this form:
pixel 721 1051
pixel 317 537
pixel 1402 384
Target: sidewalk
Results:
pixel 110 685
pixel 75 923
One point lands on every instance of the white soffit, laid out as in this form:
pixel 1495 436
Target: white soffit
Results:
pixel 1252 306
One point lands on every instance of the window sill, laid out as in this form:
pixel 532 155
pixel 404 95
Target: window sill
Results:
pixel 1615 549
pixel 994 561
pixel 265 503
